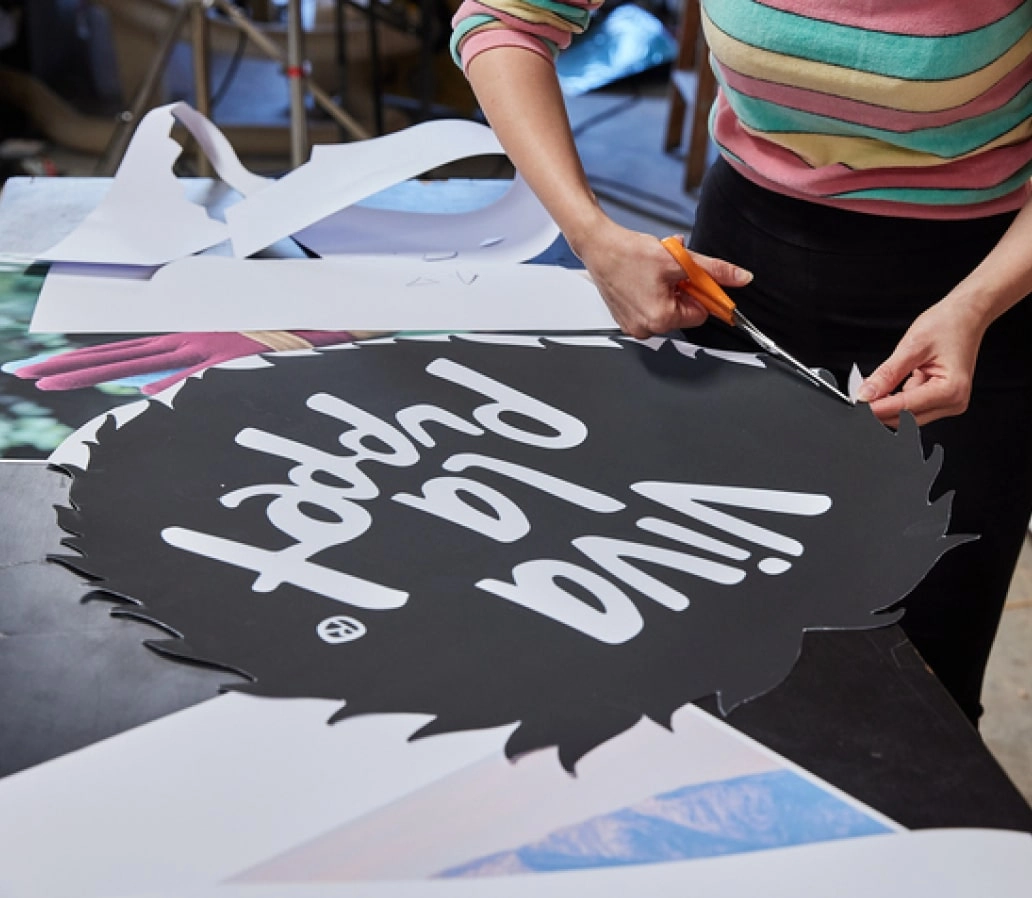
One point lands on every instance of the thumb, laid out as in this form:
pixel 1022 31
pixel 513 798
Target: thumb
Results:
pixel 887 376
pixel 723 272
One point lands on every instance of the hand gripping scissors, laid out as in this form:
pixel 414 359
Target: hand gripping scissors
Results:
pixel 703 289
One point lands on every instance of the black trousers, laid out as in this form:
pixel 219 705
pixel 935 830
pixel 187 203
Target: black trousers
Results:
pixel 836 288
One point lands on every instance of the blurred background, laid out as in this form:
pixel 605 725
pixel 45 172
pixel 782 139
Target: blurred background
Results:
pixel 69 69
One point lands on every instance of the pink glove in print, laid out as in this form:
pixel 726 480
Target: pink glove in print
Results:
pixel 186 353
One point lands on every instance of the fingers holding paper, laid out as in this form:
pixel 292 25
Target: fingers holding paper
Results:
pixel 930 372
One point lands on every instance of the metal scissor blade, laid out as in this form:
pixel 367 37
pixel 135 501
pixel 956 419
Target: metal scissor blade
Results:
pixel 770 346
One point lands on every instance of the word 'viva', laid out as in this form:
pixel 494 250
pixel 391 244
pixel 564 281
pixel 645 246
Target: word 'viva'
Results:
pixel 338 484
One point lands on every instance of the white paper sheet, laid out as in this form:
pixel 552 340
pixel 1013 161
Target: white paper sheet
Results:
pixel 953 863
pixel 205 293
pixel 194 797
pixel 457 819
pixel 514 228
pixel 340 175
pixel 228 786
pixel 146 218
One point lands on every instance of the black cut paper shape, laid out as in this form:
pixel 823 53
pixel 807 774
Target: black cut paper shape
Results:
pixel 449 648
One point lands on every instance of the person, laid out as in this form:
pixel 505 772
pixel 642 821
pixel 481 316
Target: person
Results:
pixel 869 205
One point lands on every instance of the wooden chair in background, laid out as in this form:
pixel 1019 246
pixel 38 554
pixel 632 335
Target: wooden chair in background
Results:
pixel 691 81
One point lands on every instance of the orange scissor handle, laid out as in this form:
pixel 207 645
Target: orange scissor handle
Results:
pixel 699 284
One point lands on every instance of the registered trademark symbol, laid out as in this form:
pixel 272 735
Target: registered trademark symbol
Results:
pixel 340 628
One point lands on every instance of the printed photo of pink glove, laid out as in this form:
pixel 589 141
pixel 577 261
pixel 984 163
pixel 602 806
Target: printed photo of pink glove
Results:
pixel 182 354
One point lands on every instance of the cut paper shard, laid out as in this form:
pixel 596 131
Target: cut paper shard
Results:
pixel 380 293
pixel 856 381
pixel 459 500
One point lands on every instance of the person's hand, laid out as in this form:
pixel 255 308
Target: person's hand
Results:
pixel 934 363
pixel 638 280
pixel 185 354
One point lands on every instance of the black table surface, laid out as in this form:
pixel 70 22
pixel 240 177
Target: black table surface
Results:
pixel 860 709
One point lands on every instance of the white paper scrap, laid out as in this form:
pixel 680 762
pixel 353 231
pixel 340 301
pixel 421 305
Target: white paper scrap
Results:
pixel 513 228
pixel 220 152
pixel 856 381
pixel 213 293
pixel 146 218
pixel 340 175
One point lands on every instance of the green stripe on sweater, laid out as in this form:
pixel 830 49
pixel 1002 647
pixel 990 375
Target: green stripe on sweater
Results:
pixel 894 55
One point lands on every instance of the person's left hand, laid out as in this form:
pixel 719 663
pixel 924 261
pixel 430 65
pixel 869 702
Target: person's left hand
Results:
pixel 934 363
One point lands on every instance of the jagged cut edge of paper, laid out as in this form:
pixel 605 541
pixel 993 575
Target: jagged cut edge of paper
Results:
pixel 146 217
pixel 577 723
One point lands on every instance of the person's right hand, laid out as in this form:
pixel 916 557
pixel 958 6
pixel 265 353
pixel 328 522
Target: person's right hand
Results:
pixel 638 280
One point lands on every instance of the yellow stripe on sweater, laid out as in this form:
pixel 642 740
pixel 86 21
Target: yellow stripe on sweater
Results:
pixel 861 153
pixel 877 90
pixel 526 12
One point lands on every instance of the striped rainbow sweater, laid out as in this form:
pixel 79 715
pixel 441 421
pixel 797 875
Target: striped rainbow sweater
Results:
pixel 900 107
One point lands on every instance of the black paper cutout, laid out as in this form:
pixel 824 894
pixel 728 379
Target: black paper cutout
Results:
pixel 425 638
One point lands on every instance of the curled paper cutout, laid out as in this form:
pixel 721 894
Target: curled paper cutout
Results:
pixel 146 218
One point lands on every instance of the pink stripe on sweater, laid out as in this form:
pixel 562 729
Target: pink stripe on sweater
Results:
pixel 780 166
pixel 917 17
pixel 472 8
pixel 855 111
pixel 1010 203
pixel 479 41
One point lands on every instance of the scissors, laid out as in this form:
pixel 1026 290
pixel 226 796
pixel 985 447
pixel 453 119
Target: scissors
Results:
pixel 701 287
